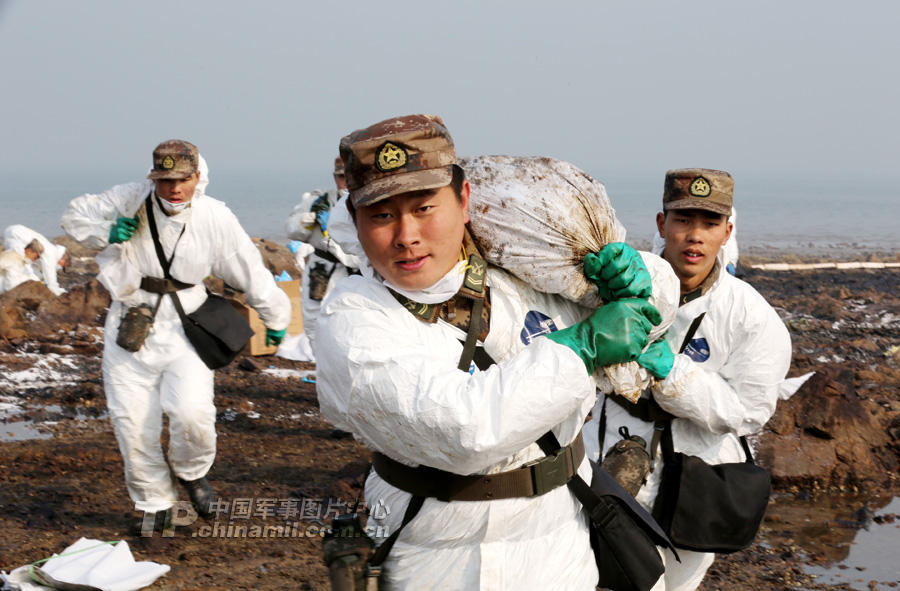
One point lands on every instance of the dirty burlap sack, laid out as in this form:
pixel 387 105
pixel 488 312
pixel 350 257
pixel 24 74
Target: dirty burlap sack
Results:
pixel 537 218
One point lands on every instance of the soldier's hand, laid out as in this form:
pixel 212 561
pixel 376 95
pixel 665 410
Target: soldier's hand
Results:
pixel 322 219
pixel 658 359
pixel 619 272
pixel 274 337
pixel 123 229
pixel 616 332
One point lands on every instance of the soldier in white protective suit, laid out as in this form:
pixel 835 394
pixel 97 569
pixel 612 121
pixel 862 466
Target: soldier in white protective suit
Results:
pixel 388 349
pixel 38 259
pixel 726 383
pixel 201 237
pixel 328 263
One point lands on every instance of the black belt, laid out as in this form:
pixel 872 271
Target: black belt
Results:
pixel 324 254
pixel 162 286
pixel 533 479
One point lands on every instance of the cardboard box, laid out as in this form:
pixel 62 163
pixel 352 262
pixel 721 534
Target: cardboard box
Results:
pixel 257 344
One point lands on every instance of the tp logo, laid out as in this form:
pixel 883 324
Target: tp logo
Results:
pixel 181 514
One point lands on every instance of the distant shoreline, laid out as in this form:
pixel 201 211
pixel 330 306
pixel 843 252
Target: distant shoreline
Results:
pixel 751 255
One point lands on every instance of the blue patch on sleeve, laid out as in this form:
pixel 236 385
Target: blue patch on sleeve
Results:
pixel 536 324
pixel 698 350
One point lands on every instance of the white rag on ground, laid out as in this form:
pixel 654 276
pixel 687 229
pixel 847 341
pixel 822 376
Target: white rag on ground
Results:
pixel 296 348
pixel 91 564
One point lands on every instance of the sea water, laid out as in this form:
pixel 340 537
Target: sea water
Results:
pixel 833 214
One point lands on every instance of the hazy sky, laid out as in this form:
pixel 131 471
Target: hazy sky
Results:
pixel 811 87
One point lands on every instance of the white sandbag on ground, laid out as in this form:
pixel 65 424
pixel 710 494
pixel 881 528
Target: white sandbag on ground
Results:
pixel 537 218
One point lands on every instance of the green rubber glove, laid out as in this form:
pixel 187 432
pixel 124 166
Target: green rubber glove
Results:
pixel 619 272
pixel 274 337
pixel 123 229
pixel 614 333
pixel 658 358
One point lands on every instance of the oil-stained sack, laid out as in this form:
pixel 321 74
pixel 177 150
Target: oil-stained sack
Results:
pixel 537 218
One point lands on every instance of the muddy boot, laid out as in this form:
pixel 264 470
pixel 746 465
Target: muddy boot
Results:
pixel 152 521
pixel 202 496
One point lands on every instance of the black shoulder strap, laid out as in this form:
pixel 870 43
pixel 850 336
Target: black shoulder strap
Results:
pixel 588 498
pixel 412 509
pixel 690 332
pixel 472 336
pixel 664 428
pixel 601 428
pixel 164 263
pixel 154 233
pixel 647 409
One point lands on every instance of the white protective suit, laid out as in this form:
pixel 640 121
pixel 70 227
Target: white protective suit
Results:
pixel 301 225
pixel 166 374
pixel 392 380
pixel 13 270
pixel 725 385
pixel 17 237
pixel 728 255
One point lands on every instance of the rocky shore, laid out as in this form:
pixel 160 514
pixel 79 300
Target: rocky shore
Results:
pixel 281 472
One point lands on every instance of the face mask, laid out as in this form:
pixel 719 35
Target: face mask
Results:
pixel 441 291
pixel 173 208
pixel 344 193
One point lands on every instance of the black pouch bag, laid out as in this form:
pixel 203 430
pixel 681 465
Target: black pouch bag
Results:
pixel 624 538
pixel 217 331
pixel 624 535
pixel 710 508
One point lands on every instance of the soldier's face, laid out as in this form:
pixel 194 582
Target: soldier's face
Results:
pixel 693 240
pixel 177 190
pixel 414 239
pixel 340 182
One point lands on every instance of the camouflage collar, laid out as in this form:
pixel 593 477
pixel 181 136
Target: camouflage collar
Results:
pixel 704 287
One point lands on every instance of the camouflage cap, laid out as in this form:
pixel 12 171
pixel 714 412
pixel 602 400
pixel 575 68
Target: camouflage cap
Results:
pixel 698 188
pixel 399 155
pixel 338 166
pixel 174 159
